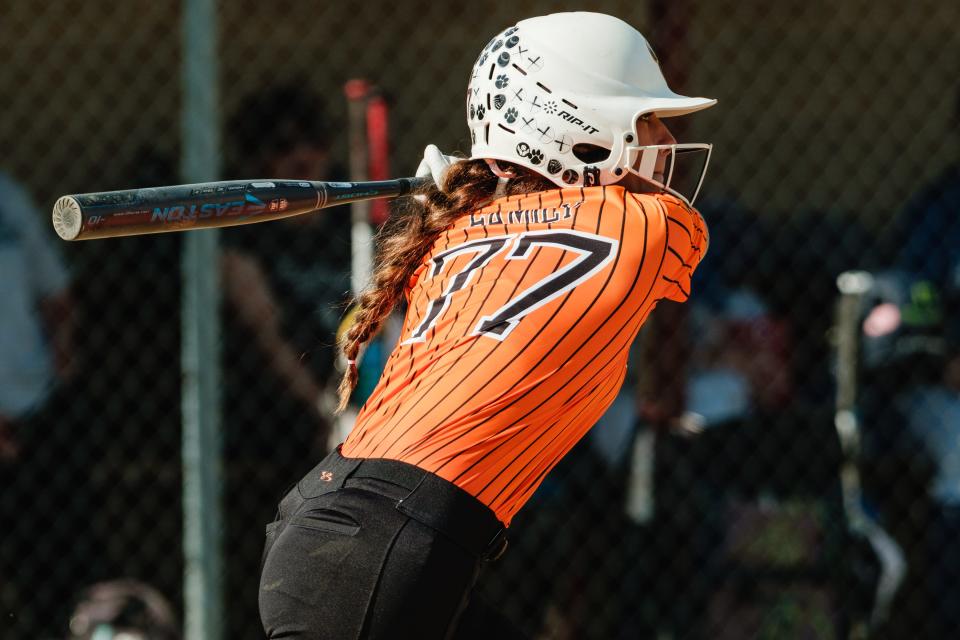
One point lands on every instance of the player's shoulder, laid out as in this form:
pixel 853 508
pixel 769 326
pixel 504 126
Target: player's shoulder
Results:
pixel 665 203
pixel 615 194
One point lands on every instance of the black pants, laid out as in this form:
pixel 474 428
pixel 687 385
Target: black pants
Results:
pixel 373 549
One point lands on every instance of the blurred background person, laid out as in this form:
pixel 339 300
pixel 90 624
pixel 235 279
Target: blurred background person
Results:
pixel 285 286
pixel 924 238
pixel 932 413
pixel 911 404
pixel 36 359
pixel 123 610
pixel 36 341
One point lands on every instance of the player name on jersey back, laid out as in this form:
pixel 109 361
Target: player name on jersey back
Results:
pixel 545 215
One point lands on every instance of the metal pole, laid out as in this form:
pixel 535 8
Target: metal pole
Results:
pixel 361 235
pixel 200 361
pixel 853 286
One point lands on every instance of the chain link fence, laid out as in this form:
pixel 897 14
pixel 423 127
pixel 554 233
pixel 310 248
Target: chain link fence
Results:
pixel 810 487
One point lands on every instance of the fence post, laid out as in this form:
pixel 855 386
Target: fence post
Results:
pixel 200 357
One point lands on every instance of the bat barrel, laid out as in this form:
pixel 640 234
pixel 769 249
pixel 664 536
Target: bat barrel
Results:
pixel 181 207
pixel 210 204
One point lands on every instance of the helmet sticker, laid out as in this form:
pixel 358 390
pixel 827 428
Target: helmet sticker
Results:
pixel 554 166
pixel 550 106
pixel 504 59
pixel 531 64
pixel 591 176
pixel 510 115
pixel 512 42
pixel 499 100
pixel 535 156
pixel 570 176
pixel 502 81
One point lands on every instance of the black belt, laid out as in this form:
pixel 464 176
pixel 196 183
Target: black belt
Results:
pixel 431 500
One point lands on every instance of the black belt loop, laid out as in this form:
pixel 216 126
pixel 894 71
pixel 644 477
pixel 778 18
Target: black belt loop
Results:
pixel 497 546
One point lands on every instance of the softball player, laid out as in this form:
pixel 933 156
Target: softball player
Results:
pixel 527 272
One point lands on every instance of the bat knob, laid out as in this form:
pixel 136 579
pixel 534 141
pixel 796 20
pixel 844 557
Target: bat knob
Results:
pixel 66 218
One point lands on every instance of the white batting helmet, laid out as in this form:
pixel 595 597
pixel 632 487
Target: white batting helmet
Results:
pixel 560 94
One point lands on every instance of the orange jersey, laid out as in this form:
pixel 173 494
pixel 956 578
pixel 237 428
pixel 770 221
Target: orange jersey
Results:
pixel 516 335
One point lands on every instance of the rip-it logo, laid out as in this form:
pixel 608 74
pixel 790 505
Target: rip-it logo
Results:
pixel 574 120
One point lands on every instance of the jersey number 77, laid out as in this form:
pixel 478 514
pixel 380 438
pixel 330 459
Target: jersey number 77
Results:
pixel 595 252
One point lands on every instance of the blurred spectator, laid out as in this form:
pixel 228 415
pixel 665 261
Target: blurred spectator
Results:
pixel 933 416
pixel 925 237
pixel 911 397
pixel 285 287
pixel 285 283
pixel 911 408
pixel 745 547
pixel 902 346
pixel 123 610
pixel 35 345
pixel 36 359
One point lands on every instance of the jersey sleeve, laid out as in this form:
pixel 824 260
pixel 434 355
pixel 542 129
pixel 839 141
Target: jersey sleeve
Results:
pixel 687 241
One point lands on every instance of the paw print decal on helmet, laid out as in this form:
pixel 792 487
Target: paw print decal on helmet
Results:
pixel 502 81
pixel 510 115
pixel 535 156
pixel 481 110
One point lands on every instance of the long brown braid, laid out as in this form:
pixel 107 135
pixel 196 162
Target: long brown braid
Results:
pixel 409 235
